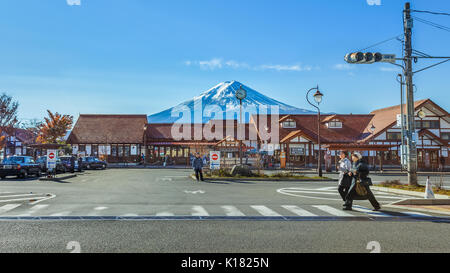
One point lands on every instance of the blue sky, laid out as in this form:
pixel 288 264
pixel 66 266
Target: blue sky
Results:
pixel 143 56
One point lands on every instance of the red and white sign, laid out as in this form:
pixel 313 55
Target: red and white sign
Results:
pixel 51 159
pixel 215 160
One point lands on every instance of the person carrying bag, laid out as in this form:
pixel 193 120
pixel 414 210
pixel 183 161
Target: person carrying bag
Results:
pixel 359 189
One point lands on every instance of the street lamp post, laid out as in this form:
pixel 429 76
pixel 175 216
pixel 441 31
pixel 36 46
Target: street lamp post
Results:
pixel 318 98
pixel 145 145
pixel 372 129
pixel 241 94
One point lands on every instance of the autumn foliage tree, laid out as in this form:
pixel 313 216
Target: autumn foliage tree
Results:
pixel 8 117
pixel 54 128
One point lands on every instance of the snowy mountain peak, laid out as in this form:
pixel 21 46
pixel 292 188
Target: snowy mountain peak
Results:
pixel 224 96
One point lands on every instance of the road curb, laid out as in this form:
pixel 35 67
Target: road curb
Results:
pixel 263 180
pixel 417 209
pixel 406 192
pixel 57 179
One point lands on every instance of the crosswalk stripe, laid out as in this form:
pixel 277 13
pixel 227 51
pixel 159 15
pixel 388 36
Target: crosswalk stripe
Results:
pixel 165 213
pixel 265 211
pixel 332 210
pixel 232 211
pixel 298 211
pixel 34 209
pixel 199 211
pixel 19 195
pixel 8 207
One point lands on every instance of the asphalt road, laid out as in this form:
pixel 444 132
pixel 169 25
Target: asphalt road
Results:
pixel 159 210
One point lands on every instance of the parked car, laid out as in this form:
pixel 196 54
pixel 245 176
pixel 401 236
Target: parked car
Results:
pixel 20 166
pixel 92 162
pixel 67 162
pixel 42 161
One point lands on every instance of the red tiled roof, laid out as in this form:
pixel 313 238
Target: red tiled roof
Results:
pixel 98 129
pixel 386 117
pixel 351 130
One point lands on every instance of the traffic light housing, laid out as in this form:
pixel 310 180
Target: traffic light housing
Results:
pixel 363 58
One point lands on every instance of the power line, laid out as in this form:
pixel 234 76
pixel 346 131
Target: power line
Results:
pixel 432 24
pixel 431 12
pixel 382 42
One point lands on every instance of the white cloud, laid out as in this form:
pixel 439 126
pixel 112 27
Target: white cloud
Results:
pixel 73 2
pixel 343 67
pixel 218 63
pixel 389 69
pixel 211 64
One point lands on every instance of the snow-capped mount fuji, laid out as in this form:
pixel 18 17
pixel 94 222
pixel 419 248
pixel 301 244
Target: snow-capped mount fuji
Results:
pixel 222 95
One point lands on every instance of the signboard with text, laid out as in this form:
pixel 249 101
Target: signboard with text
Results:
pixel 214 160
pixel 51 159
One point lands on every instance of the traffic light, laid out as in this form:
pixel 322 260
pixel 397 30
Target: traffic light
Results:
pixel 363 58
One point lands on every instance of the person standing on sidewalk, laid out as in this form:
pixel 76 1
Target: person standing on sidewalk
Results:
pixel 359 174
pixel 345 180
pixel 197 165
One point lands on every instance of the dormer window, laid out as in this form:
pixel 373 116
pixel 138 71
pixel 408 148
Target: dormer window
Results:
pixel 334 123
pixel 289 123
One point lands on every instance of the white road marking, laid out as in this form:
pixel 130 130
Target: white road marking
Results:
pixel 130 215
pixel 33 210
pixel 299 211
pixel 265 211
pixel 100 208
pixel 332 210
pixel 195 192
pixel 20 195
pixel 8 207
pixel 24 199
pixel 369 211
pixel 199 211
pixel 327 189
pixel 165 213
pixel 232 211
pixel 63 213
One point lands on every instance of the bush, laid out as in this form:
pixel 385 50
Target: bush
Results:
pixel 391 183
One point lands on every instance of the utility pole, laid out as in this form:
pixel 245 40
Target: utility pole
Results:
pixel 410 111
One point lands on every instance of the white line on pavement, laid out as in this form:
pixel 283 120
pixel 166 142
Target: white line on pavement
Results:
pixel 265 211
pixel 63 213
pixel 369 211
pixel 332 210
pixel 232 211
pixel 24 199
pixel 33 209
pixel 8 207
pixel 199 211
pixel 19 195
pixel 165 213
pixel 414 213
pixel 299 211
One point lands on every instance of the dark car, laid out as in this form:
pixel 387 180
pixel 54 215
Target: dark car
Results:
pixel 92 162
pixel 70 163
pixel 20 166
pixel 42 161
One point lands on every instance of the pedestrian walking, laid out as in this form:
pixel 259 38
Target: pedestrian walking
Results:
pixel 345 180
pixel 197 165
pixel 80 164
pixel 72 164
pixel 166 160
pixel 359 188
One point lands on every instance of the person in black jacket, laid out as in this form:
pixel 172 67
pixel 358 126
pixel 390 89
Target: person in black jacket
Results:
pixel 359 172
pixel 197 165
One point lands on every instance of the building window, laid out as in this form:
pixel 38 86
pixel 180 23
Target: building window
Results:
pixel 113 150
pixel 445 136
pixel 289 123
pixel 427 124
pixel 335 123
pixel 126 150
pixel 394 136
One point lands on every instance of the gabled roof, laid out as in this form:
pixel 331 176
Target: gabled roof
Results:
pixel 330 118
pixel 433 136
pixel 385 118
pixel 112 129
pixel 351 130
